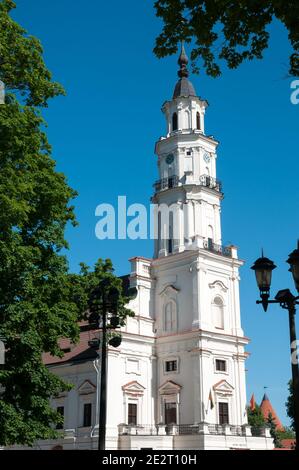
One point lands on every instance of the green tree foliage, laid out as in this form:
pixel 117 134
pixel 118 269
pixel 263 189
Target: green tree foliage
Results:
pixel 287 433
pixel 229 30
pixel 37 306
pixel 290 405
pixel 92 287
pixel 273 431
pixel 22 67
pixel 255 417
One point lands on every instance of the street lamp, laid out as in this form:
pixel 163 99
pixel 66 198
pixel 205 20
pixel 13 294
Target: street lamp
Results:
pixel 263 268
pixel 104 301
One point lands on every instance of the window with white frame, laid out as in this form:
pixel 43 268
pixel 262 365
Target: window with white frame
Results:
pixel 171 365
pixel 87 414
pixel 221 365
pixel 133 396
pixel 223 414
pixel 132 413
pixel 86 403
pixel 169 402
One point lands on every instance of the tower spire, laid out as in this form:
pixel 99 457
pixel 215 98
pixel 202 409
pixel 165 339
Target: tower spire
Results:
pixel 183 62
pixel 183 87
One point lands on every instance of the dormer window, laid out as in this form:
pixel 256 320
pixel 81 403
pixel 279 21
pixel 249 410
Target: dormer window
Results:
pixel 174 122
pixel 198 120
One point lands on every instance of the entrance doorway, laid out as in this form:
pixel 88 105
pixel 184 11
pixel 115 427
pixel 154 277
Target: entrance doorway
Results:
pixel 170 413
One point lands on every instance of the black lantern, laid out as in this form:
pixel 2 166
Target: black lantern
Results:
pixel 263 268
pixel 293 261
pixel 115 341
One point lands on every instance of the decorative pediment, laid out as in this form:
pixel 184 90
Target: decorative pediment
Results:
pixel 169 388
pixel 218 284
pixel 169 290
pixel 223 388
pixel 134 389
pixel 86 388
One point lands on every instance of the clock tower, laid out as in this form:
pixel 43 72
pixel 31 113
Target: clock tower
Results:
pixel 195 279
pixel 187 173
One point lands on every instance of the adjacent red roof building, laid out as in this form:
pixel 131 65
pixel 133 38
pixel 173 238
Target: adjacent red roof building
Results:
pixel 267 409
pixel 82 351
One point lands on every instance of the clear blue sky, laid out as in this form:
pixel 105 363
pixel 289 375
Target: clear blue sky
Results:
pixel 103 136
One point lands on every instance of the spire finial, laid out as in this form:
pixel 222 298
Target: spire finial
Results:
pixel 183 62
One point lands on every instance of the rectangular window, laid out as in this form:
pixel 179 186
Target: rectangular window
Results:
pixel 87 413
pixel 132 414
pixel 170 413
pixel 223 413
pixel 220 365
pixel 60 410
pixel 171 366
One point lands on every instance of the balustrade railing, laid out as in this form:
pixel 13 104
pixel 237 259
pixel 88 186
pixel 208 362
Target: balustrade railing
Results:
pixel 173 181
pixel 210 182
pixel 218 249
pixel 166 183
pixel 189 429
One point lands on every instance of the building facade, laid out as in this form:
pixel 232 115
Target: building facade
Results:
pixel 177 381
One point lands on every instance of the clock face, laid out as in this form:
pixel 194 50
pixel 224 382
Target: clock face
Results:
pixel 207 158
pixel 169 159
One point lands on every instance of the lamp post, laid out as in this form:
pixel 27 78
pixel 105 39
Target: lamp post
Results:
pixel 104 301
pixel 263 268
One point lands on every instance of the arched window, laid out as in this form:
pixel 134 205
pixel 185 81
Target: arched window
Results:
pixel 218 313
pixel 170 317
pixel 174 122
pixel 186 120
pixel 198 120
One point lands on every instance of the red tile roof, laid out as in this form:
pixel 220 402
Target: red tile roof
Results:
pixel 288 444
pixel 78 352
pixel 252 402
pixel 267 409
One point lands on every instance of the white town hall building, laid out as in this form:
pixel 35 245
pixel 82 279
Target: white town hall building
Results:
pixel 177 381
